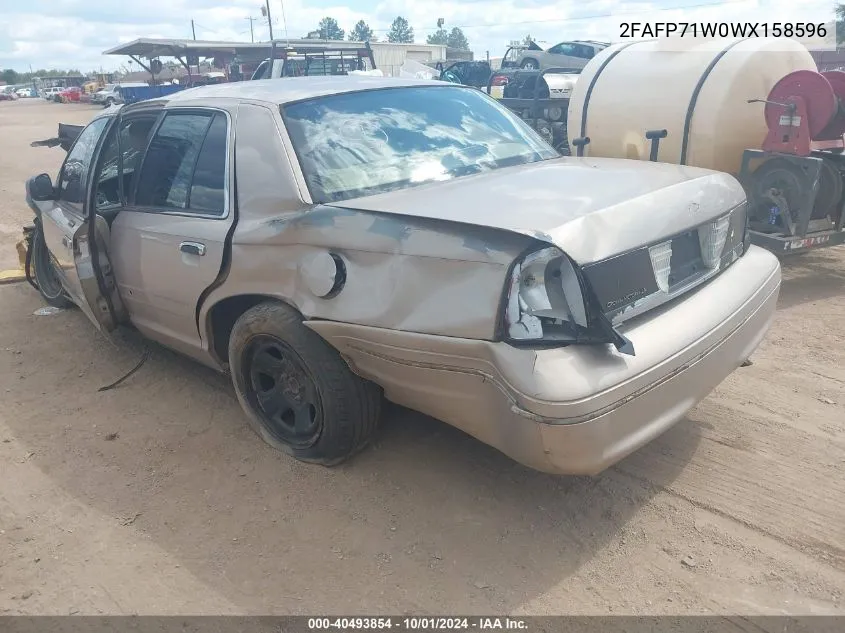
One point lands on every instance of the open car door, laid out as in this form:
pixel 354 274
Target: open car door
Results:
pixel 100 300
pixel 75 234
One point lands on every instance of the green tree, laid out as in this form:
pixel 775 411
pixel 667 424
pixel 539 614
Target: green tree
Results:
pixel 457 39
pixel 361 33
pixel 329 29
pixel 10 76
pixel 401 31
pixel 440 36
pixel 840 23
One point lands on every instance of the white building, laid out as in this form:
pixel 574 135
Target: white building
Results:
pixel 389 57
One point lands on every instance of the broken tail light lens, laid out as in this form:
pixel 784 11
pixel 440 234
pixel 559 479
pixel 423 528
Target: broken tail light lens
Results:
pixel 548 304
pixel 545 300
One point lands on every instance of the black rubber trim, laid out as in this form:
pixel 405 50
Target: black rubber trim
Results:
pixel 592 85
pixel 694 98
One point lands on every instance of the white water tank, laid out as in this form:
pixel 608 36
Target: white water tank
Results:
pixel 699 95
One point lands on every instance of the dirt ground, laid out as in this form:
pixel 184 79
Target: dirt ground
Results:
pixel 156 498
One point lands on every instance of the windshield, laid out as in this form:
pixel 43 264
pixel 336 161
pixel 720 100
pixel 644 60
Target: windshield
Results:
pixel 108 88
pixel 364 143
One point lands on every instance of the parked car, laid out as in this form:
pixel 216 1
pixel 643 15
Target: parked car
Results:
pixel 468 73
pixel 8 96
pixel 111 93
pixel 25 92
pixel 327 240
pixel 573 54
pixel 50 93
pixel 69 95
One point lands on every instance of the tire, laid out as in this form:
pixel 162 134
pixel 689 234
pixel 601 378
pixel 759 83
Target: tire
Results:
pixel 49 283
pixel 109 102
pixel 530 64
pixel 298 393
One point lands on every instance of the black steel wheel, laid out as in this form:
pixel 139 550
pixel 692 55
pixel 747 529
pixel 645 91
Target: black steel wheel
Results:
pixel 45 274
pixel 282 391
pixel 299 394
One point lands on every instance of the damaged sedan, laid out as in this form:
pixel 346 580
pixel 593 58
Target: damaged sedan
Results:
pixel 333 241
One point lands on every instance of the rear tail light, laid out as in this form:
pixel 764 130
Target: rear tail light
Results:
pixel 661 262
pixel 500 80
pixel 546 303
pixel 544 296
pixel 712 240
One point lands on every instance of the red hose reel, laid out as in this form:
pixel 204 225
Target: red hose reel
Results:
pixel 804 111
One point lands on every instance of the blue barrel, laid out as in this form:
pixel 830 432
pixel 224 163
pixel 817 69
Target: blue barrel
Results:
pixel 142 93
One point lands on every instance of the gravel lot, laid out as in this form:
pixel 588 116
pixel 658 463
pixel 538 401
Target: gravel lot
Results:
pixel 156 498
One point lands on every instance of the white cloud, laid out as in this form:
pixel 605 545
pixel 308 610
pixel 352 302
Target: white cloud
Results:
pixel 73 33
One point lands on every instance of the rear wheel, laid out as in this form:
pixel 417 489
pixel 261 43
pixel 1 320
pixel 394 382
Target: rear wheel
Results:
pixel 530 64
pixel 298 393
pixel 46 276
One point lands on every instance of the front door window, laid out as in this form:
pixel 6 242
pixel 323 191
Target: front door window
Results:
pixel 74 175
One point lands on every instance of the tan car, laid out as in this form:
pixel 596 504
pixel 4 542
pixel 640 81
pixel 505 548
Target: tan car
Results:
pixel 332 240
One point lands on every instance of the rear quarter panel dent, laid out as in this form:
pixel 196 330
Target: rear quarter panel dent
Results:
pixel 385 290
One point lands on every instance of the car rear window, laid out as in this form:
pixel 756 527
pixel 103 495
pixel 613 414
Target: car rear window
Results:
pixel 363 143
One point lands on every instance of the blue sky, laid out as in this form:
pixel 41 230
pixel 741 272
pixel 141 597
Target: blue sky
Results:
pixel 73 33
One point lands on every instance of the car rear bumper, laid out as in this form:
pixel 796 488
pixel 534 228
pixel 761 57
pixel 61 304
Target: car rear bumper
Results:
pixel 576 409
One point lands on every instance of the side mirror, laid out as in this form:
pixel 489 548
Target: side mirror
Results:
pixel 40 188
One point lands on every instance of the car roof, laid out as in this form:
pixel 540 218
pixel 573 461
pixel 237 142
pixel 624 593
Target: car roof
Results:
pixel 289 89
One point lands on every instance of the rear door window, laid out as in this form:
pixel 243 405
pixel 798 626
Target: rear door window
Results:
pixel 184 168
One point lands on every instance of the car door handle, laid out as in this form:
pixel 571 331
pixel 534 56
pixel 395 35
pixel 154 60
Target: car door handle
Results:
pixel 194 248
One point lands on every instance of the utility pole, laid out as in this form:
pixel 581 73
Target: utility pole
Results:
pixel 251 33
pixel 265 11
pixel 193 30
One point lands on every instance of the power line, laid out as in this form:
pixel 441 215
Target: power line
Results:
pixel 200 26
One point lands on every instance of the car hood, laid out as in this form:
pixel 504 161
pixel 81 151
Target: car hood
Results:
pixel 592 208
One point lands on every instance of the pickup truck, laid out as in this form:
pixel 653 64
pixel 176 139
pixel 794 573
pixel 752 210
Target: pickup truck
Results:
pixel 111 93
